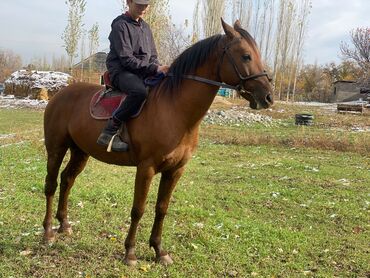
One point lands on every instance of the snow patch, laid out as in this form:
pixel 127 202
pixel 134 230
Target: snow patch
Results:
pixel 51 80
pixel 10 101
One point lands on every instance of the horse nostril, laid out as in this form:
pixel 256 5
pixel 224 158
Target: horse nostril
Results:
pixel 269 98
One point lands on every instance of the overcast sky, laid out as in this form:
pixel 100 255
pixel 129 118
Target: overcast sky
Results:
pixel 33 28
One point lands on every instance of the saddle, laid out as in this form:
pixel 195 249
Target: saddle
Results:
pixel 108 99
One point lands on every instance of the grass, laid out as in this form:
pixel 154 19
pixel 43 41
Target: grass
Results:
pixel 331 131
pixel 240 210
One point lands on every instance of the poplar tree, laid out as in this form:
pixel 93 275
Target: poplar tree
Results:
pixel 82 53
pixel 304 12
pixel 213 10
pixel 196 23
pixel 157 17
pixel 73 30
pixel 93 43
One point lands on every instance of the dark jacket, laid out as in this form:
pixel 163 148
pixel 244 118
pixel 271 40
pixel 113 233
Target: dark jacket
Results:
pixel 132 48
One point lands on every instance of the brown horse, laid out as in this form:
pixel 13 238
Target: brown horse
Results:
pixel 162 138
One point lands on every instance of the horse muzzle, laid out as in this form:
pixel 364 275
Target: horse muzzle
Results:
pixel 256 101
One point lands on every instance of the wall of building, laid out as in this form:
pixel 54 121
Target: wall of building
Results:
pixel 346 91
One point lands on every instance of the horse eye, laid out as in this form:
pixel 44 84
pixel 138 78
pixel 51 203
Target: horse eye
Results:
pixel 246 57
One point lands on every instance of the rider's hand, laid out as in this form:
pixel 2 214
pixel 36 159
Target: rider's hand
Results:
pixel 163 68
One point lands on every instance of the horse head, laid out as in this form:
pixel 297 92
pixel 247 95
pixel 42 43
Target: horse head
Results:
pixel 242 67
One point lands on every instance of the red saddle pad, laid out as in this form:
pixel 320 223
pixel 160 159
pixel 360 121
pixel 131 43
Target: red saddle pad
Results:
pixel 105 102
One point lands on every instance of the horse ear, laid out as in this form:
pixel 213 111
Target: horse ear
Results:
pixel 229 31
pixel 237 25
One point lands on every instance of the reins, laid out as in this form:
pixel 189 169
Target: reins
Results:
pixel 240 87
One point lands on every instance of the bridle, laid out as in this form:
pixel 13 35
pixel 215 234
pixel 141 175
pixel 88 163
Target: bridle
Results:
pixel 242 79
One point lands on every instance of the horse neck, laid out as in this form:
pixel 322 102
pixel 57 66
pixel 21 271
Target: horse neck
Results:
pixel 194 98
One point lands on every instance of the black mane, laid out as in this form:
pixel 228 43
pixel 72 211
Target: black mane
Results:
pixel 195 56
pixel 188 61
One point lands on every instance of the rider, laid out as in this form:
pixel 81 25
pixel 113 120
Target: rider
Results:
pixel 132 58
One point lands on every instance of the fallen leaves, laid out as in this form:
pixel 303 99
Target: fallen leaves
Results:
pixel 357 230
pixel 199 225
pixel 232 273
pixel 26 252
pixel 344 182
pixel 194 246
pixel 145 268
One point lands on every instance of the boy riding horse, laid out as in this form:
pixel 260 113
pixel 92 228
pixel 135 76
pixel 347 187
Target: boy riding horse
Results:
pixel 132 58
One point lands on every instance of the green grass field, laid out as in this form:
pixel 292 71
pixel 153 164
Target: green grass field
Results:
pixel 246 206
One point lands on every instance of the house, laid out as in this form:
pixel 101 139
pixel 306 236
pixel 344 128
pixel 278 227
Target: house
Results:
pixel 91 69
pixel 346 90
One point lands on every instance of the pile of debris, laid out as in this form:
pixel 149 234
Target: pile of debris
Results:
pixel 41 85
pixel 237 116
pixel 11 102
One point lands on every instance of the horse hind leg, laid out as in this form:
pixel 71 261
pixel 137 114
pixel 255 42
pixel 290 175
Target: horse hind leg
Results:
pixel 74 167
pixel 55 159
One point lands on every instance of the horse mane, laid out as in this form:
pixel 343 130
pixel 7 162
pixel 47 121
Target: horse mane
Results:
pixel 193 57
pixel 189 60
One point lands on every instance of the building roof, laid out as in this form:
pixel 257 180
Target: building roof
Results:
pixel 97 61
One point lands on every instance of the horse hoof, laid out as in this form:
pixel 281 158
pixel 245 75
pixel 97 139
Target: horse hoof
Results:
pixel 67 231
pixel 130 262
pixel 165 260
pixel 49 238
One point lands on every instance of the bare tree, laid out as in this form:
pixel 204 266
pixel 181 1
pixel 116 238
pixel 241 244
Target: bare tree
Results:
pixel 279 27
pixel 213 10
pixel 82 53
pixel 266 47
pixel 196 23
pixel 9 62
pixel 174 42
pixel 286 41
pixel 304 11
pixel 262 25
pixel 360 38
pixel 158 19
pixel 73 30
pixel 123 4
pixel 59 64
pixel 242 10
pixel 257 19
pixel 93 43
pixel 278 37
pixel 39 63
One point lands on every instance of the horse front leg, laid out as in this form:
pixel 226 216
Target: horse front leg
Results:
pixel 144 176
pixel 74 167
pixel 55 159
pixel 166 187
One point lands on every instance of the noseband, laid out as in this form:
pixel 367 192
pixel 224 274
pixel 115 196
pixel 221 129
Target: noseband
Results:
pixel 242 79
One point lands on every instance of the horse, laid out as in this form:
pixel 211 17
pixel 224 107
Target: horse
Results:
pixel 162 138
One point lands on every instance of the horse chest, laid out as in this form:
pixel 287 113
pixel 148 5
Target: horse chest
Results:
pixel 178 158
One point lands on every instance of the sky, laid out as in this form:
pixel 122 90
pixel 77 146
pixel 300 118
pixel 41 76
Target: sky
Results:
pixel 33 28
